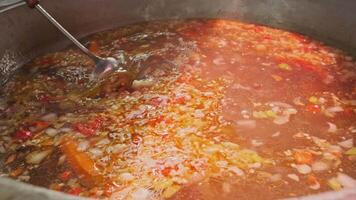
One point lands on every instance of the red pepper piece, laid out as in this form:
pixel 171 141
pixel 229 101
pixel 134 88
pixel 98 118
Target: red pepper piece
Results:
pixel 75 191
pixel 65 176
pixel 44 99
pixel 313 108
pixel 40 125
pixel 23 134
pixel 166 171
pixel 180 100
pixel 89 128
pixel 156 120
pixel 155 101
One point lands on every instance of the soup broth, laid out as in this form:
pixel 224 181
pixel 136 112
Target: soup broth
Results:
pixel 219 109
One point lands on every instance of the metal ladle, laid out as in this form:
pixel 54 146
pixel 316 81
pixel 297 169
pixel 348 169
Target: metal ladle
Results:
pixel 103 66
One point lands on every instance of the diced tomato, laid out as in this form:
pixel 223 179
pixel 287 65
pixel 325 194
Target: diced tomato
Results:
pixel 312 180
pixel 156 101
pixel 75 191
pixel 166 171
pixel 303 157
pixel 94 46
pixel 179 100
pixel 84 129
pixel 183 79
pixel 23 134
pixel 156 120
pixel 40 125
pixel 44 99
pixel 257 29
pixel 348 111
pixel 65 176
pixel 88 129
pixel 313 108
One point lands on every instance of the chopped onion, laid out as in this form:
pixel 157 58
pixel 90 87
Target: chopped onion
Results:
pixel 255 165
pixel 51 132
pixel 345 180
pixel 126 176
pixel 281 119
pixel 247 124
pixel 350 102
pixel 303 169
pixel 83 145
pixel 347 143
pixel 334 109
pixel 49 117
pixel 285 117
pixel 218 61
pixel 96 152
pixel 319 166
pixel 275 177
pixel 332 127
pixel 226 187
pixel 141 194
pixel 2 149
pixel 115 148
pixel 293 177
pixel 280 104
pixel 256 143
pixel 199 114
pixel 103 142
pixel 236 170
pixel 276 134
pixel 61 159
pixel 37 157
pixel 65 129
pixel 136 84
pixel 315 186
pixel 334 149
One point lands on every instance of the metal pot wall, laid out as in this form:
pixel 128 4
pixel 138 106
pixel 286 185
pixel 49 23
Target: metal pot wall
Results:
pixel 24 34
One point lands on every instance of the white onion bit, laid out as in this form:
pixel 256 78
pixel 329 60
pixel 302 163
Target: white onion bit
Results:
pixel 346 181
pixel 83 145
pixel 141 194
pixel 49 117
pixel 347 143
pixel 319 166
pixel 293 177
pixel 335 109
pixel 303 169
pixel 236 170
pixel 127 176
pixel 247 124
pixel 332 128
pixel 51 132
pixel 37 157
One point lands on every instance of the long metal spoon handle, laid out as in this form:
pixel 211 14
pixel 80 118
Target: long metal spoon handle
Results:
pixel 35 4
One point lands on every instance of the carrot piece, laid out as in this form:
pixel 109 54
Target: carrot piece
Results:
pixel 81 163
pixel 16 172
pixel 10 159
pixel 94 46
pixel 303 157
pixel 312 180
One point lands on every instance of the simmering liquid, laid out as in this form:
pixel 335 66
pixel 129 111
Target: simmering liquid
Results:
pixel 222 110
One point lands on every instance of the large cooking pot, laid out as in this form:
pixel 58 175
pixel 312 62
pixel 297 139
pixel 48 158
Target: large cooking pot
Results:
pixel 25 34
